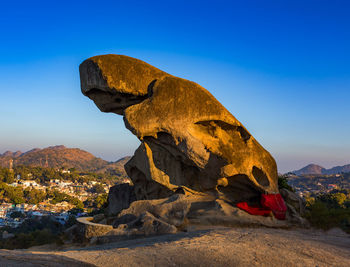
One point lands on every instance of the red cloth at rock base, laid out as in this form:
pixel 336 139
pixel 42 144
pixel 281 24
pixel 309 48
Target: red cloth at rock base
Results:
pixel 276 203
pixel 253 210
pixel 270 203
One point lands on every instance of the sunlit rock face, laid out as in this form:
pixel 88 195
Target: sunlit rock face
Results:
pixel 190 143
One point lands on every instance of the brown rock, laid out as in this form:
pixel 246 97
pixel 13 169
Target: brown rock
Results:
pixel 295 208
pixel 147 224
pixel 291 198
pixel 189 141
pixel 172 210
pixel 85 229
pixel 119 197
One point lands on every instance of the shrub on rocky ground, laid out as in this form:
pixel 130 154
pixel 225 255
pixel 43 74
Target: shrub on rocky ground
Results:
pixel 329 210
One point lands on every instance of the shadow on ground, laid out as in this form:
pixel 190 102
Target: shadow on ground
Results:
pixel 19 258
pixel 145 241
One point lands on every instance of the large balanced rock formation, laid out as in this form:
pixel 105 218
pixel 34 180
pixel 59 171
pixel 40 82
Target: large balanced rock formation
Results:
pixel 190 143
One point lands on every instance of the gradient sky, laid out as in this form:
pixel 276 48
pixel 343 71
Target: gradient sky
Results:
pixel 281 68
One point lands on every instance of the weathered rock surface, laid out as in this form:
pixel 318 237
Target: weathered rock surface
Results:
pixel 295 208
pixel 172 210
pixel 217 246
pixel 294 200
pixel 167 216
pixel 144 225
pixel 179 213
pixel 225 247
pixel 189 142
pixel 147 217
pixel 120 196
pixel 85 229
pixel 17 258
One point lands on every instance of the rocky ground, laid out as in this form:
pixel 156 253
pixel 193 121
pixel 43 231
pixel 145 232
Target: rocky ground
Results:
pixel 217 246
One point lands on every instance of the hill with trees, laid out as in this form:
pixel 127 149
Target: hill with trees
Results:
pixel 63 157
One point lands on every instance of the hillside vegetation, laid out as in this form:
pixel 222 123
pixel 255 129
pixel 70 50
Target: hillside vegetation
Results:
pixel 61 156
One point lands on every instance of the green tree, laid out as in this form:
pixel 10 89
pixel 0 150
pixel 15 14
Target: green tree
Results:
pixel 333 200
pixel 283 183
pixel 34 196
pixel 22 171
pixel 6 176
pixel 329 210
pixel 101 201
pixel 11 194
pixel 17 214
pixel 98 188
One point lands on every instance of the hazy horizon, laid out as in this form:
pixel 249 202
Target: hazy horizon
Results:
pixel 112 159
pixel 280 68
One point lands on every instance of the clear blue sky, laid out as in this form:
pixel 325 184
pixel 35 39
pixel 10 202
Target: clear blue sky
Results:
pixel 281 67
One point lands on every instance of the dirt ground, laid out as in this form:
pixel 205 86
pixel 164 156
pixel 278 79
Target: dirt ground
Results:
pixel 218 246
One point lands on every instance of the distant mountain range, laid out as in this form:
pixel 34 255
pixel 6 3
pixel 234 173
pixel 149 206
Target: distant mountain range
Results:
pixel 317 169
pixel 61 156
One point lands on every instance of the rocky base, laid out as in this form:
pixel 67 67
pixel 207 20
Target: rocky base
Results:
pixel 176 214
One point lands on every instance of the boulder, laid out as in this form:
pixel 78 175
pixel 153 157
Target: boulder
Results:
pixel 85 229
pixel 295 208
pixel 119 197
pixel 190 143
pixel 172 210
pixel 291 198
pixel 146 224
